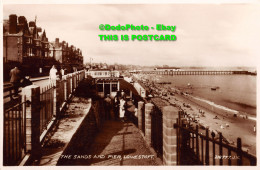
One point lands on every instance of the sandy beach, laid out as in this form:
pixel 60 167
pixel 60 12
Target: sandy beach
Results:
pixel 231 127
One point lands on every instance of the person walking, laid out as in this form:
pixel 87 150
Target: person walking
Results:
pixel 117 105
pixel 122 109
pixel 53 75
pixel 107 103
pixel 123 94
pixel 62 72
pixel 16 76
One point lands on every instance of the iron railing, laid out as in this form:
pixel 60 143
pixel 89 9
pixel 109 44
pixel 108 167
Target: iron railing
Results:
pixel 46 106
pixel 14 127
pixel 195 147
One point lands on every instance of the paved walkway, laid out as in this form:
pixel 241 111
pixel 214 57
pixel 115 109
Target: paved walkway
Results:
pixel 118 143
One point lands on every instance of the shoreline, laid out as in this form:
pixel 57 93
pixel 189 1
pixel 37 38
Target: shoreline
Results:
pixel 218 108
pixel 217 119
pixel 228 95
pixel 230 127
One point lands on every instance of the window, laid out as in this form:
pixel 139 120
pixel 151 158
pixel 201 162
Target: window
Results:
pixel 114 87
pixel 100 87
pixel 28 51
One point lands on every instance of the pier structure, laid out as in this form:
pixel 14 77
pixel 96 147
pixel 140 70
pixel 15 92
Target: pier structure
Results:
pixel 196 72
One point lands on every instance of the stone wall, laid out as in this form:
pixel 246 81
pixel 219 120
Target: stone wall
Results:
pixel 85 134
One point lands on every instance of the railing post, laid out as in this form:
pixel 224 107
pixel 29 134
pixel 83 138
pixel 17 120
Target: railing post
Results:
pixel 32 112
pixel 207 147
pixel 170 114
pixel 77 79
pixel 239 151
pixel 74 82
pixel 65 88
pixel 140 107
pixel 197 144
pixel 56 102
pixel 220 149
pixel 148 110
pixel 69 85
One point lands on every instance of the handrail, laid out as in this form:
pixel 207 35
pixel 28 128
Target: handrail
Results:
pixel 218 142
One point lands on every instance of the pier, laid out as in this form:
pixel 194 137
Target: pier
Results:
pixel 198 72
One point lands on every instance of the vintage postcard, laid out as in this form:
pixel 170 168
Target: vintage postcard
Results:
pixel 130 84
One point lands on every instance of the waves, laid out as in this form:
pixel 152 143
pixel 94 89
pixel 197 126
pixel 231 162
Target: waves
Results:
pixel 218 108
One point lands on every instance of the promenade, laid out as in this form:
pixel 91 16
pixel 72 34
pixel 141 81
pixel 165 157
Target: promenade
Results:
pixel 116 143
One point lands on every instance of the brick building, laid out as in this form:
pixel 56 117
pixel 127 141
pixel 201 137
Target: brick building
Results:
pixel 25 44
pixel 68 56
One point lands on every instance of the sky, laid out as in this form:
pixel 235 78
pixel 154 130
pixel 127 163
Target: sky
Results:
pixel 207 34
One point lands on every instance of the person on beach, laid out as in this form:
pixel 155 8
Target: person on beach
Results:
pixel 122 109
pixel 53 75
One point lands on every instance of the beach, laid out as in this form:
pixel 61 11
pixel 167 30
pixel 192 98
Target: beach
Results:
pixel 231 123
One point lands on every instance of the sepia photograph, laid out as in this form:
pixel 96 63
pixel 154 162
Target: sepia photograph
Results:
pixel 130 84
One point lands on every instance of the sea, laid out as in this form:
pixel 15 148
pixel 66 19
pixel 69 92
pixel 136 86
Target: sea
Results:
pixel 235 92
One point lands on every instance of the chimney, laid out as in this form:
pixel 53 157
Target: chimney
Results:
pixel 31 24
pixel 39 29
pixel 13 24
pixel 22 20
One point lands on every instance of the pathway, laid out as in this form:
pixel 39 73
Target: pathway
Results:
pixel 117 143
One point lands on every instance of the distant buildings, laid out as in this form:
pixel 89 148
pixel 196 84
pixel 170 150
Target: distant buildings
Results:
pixel 25 44
pixel 65 54
pixel 96 73
pixel 107 81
